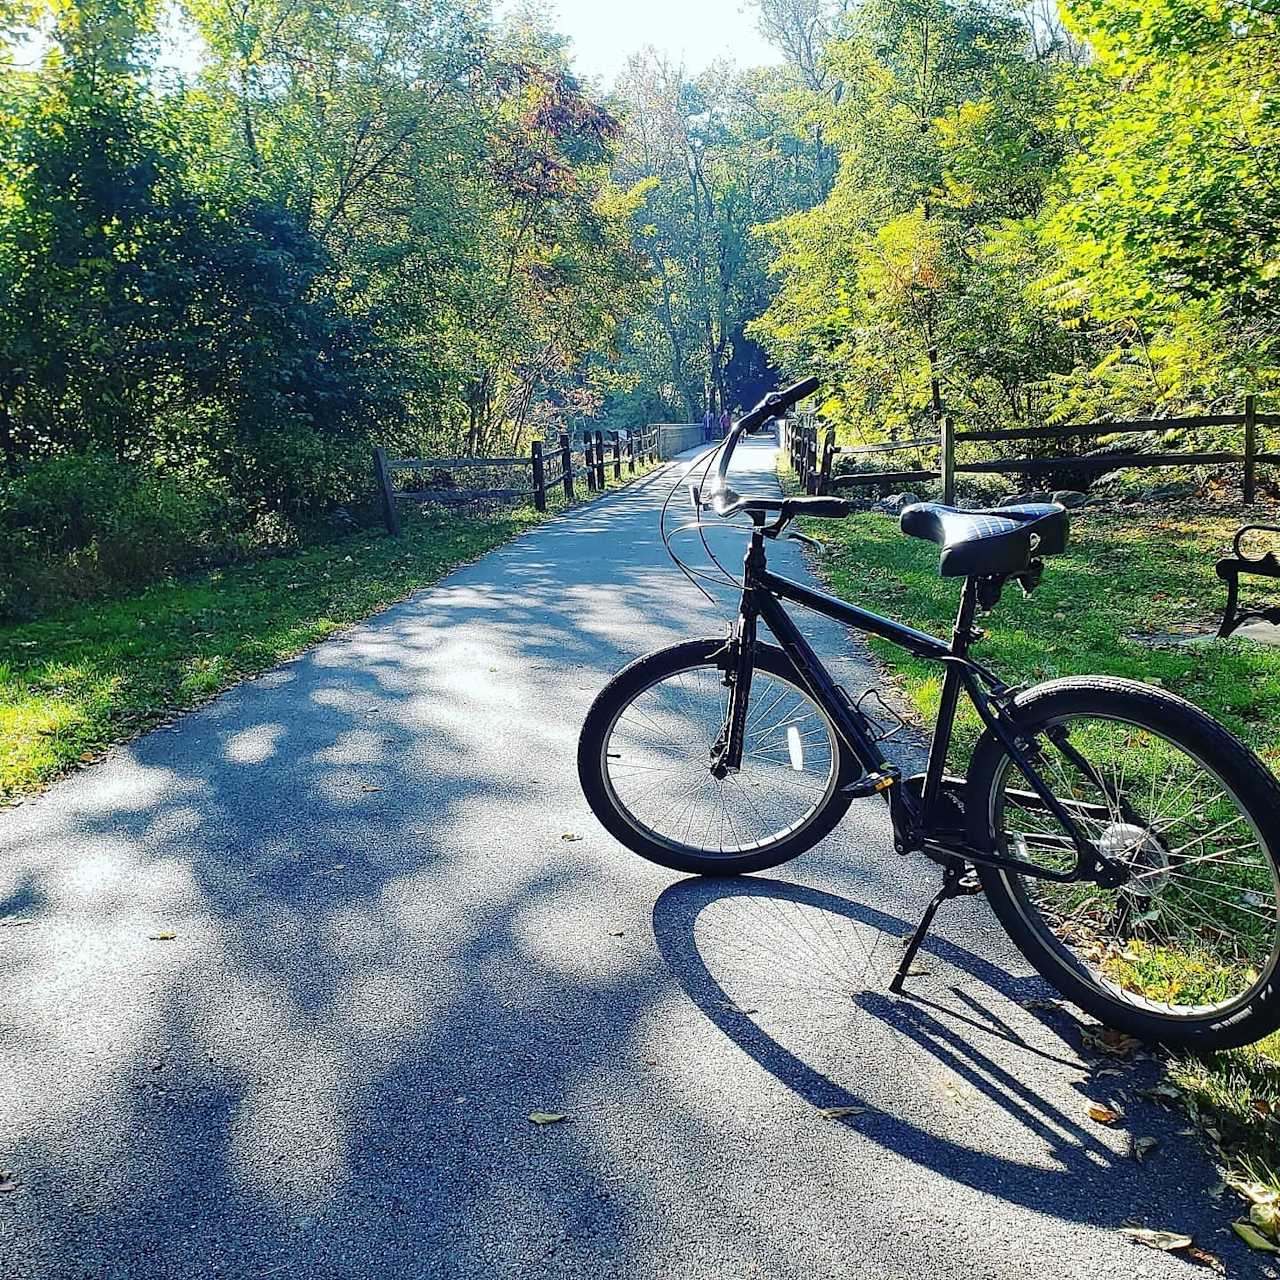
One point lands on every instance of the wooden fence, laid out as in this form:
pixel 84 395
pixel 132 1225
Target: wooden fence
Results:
pixel 548 468
pixel 814 460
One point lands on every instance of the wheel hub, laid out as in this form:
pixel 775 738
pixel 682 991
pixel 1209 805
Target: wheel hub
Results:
pixel 1140 851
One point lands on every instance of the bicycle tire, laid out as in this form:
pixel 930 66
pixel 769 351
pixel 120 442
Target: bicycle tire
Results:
pixel 1245 779
pixel 631 683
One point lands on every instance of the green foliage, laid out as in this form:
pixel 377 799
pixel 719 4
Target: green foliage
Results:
pixel 377 221
pixel 1073 234
pixel 81 525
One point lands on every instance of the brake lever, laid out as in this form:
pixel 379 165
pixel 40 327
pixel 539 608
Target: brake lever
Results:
pixel 812 543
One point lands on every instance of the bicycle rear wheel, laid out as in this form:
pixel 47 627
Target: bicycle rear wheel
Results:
pixel 1186 950
pixel 646 749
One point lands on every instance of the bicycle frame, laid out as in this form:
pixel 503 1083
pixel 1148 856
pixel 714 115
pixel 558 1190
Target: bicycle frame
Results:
pixel 917 819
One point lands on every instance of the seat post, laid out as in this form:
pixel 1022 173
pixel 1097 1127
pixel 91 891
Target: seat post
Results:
pixel 961 638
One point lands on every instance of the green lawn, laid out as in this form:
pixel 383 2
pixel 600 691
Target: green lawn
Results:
pixel 1128 572
pixel 75 683
pixel 1125 573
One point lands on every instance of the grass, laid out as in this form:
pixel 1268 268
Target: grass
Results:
pixel 1128 574
pixel 75 683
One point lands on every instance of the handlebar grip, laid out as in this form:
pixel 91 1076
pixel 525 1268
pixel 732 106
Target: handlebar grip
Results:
pixel 800 390
pixel 832 508
pixel 780 401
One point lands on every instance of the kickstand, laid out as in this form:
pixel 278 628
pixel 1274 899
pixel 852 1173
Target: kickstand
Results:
pixel 957 881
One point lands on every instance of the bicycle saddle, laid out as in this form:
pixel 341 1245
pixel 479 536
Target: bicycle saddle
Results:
pixel 986 543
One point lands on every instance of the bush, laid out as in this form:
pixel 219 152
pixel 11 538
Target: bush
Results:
pixel 300 473
pixel 78 526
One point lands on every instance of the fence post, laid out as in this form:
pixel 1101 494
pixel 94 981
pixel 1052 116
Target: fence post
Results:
pixel 948 460
pixel 589 461
pixel 631 454
pixel 811 460
pixel 824 468
pixel 566 466
pixel 601 483
pixel 539 476
pixel 616 441
pixel 1250 449
pixel 389 512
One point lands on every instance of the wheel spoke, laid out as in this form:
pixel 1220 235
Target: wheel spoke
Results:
pixel 1196 923
pixel 658 759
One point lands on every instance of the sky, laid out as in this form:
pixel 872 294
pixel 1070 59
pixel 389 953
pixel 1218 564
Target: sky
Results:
pixel 696 32
pixel 604 33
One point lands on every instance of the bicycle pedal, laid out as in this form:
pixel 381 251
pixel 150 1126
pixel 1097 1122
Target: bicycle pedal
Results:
pixel 869 784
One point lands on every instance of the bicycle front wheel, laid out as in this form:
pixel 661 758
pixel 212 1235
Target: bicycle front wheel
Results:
pixel 647 747
pixel 1186 949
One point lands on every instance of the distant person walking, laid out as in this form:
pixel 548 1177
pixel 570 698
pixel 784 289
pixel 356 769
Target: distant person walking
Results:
pixel 726 421
pixel 708 421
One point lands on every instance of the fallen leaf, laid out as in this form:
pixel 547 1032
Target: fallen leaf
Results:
pixel 570 835
pixel 1266 1217
pixel 371 790
pixel 1143 1147
pixel 1254 1192
pixel 1040 1003
pixel 547 1117
pixel 1165 1241
pixel 1108 1071
pixel 1253 1237
pixel 1108 1040
pixel 12 922
pixel 616 933
pixel 161 937
pixel 1262 1106
pixel 8 1185
pixel 1206 1259
pixel 839 1113
pixel 1103 1115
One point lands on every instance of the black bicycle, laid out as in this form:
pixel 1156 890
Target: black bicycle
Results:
pixel 1125 839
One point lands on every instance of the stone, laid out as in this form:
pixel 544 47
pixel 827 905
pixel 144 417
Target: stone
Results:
pixel 894 503
pixel 1019 499
pixel 1162 492
pixel 1070 497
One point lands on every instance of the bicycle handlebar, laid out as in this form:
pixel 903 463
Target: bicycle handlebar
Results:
pixel 775 403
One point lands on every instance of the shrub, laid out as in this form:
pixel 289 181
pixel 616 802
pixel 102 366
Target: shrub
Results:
pixel 77 526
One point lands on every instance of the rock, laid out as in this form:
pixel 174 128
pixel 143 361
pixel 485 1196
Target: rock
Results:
pixel 1162 492
pixel 1021 498
pixel 1070 497
pixel 893 504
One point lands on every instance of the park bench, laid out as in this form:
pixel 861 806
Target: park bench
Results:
pixel 1229 570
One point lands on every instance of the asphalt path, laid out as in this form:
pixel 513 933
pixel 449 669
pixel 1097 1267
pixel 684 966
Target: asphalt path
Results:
pixel 300 966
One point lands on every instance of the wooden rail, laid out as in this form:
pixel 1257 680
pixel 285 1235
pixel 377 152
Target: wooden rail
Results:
pixel 814 461
pixel 551 467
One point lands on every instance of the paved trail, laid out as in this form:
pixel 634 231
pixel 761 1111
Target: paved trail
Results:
pixel 398 931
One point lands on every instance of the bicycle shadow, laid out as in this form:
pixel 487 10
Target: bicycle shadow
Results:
pixel 938 1078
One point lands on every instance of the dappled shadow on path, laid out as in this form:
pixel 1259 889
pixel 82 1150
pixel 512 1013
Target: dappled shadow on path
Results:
pixel 958 1078
pixel 302 965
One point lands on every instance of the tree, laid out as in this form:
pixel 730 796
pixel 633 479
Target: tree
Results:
pixel 940 128
pixel 1163 219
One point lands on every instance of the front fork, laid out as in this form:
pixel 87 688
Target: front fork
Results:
pixel 726 752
